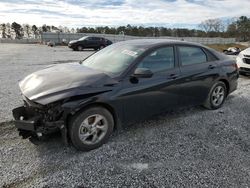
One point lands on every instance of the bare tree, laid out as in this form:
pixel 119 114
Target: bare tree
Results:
pixel 72 30
pixel 3 30
pixel 34 31
pixel 27 30
pixel 210 25
pixel 8 31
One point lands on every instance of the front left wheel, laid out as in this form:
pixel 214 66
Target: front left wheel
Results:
pixel 91 128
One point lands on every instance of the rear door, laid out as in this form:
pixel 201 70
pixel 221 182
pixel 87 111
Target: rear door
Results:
pixel 90 42
pixel 96 42
pixel 148 96
pixel 199 69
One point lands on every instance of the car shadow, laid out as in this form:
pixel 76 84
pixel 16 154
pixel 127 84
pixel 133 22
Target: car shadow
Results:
pixel 55 141
pixel 183 134
pixel 88 50
pixel 246 76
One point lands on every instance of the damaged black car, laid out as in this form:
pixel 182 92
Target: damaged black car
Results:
pixel 123 83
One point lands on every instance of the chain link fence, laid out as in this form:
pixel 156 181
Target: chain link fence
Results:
pixel 59 38
pixel 66 37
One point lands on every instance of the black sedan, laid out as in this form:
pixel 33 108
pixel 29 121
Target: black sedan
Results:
pixel 123 83
pixel 95 43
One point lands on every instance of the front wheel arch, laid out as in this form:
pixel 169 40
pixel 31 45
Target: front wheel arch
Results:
pixel 117 124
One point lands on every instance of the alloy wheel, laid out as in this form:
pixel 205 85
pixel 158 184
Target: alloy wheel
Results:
pixel 93 129
pixel 218 95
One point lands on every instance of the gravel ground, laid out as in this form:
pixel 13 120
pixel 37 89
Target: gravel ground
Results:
pixel 191 147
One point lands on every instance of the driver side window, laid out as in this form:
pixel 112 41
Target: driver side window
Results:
pixel 159 60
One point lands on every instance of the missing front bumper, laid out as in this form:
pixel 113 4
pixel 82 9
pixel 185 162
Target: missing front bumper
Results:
pixel 31 125
pixel 26 119
pixel 22 121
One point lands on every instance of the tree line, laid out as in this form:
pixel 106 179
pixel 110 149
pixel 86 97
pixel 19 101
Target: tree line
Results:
pixel 237 28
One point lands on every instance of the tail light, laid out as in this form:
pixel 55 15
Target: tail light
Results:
pixel 236 66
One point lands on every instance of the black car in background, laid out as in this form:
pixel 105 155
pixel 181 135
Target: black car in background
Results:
pixel 123 83
pixel 96 43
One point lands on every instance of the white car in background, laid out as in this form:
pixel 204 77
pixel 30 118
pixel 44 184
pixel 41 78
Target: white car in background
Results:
pixel 243 61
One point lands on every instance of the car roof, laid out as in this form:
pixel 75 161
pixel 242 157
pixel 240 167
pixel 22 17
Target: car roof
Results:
pixel 148 43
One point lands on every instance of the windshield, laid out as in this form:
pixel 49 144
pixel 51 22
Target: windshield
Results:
pixel 83 38
pixel 114 59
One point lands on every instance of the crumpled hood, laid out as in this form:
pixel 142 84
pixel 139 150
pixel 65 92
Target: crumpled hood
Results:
pixel 60 81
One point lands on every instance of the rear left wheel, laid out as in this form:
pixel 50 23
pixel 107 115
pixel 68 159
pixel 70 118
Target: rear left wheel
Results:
pixel 216 96
pixel 91 128
pixel 101 47
pixel 79 48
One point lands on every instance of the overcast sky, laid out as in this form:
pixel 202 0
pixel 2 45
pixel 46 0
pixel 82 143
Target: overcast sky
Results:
pixel 76 13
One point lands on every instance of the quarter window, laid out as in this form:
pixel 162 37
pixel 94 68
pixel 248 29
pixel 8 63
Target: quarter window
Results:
pixel 159 60
pixel 191 55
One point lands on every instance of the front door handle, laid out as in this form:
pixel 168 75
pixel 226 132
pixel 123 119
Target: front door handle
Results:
pixel 211 66
pixel 173 76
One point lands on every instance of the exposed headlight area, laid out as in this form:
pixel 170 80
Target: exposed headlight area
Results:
pixel 49 113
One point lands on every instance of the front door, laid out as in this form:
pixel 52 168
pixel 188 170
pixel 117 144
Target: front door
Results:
pixel 144 97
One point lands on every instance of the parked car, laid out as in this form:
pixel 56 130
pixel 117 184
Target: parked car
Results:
pixel 232 51
pixel 51 43
pixel 123 83
pixel 243 61
pixel 96 43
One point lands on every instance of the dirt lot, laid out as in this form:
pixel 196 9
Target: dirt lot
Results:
pixel 192 147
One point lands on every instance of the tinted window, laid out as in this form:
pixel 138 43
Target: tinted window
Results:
pixel 159 60
pixel 83 38
pixel 191 55
pixel 210 55
pixel 96 38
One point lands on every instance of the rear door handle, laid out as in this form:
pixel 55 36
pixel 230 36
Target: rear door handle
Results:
pixel 173 76
pixel 211 66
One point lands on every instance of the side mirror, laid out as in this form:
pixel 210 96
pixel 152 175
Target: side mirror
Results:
pixel 143 73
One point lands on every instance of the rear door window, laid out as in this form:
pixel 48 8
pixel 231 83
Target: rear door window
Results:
pixel 91 38
pixel 190 55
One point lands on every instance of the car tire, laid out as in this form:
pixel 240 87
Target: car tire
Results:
pixel 216 96
pixel 79 48
pixel 101 47
pixel 91 128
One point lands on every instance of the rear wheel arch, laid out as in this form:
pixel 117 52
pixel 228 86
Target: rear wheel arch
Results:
pixel 227 85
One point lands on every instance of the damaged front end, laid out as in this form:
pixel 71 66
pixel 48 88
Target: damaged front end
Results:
pixel 52 94
pixel 34 120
